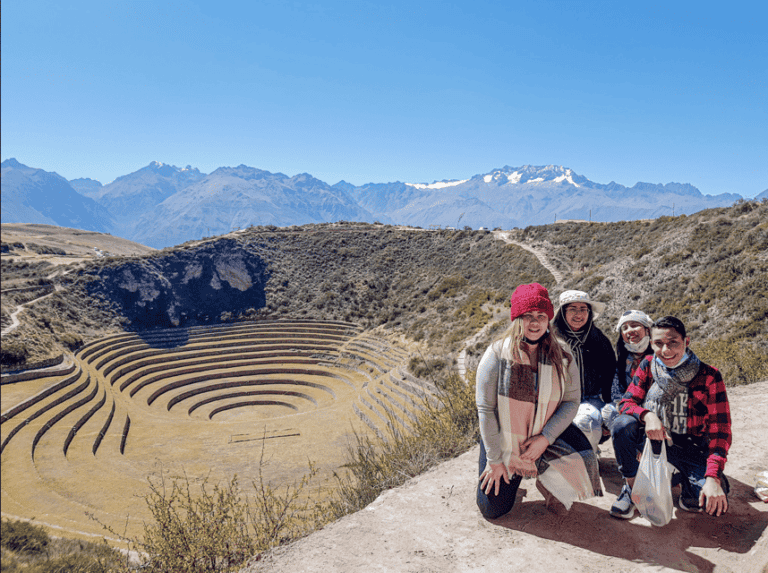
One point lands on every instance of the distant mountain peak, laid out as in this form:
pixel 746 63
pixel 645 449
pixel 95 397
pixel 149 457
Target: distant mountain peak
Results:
pixel 534 174
pixel 11 162
pixel 166 169
pixel 348 187
pixel 438 184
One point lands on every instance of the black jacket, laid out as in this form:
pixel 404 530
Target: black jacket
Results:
pixel 599 361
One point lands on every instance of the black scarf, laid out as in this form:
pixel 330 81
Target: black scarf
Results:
pixel 575 339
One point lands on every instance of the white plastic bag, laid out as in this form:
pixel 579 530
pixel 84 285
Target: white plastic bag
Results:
pixel 652 492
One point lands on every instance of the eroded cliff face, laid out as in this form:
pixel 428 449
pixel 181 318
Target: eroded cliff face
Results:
pixel 185 285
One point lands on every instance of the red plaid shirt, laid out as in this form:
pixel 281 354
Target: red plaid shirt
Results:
pixel 709 414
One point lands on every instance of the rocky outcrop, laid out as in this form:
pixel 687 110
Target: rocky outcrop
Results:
pixel 187 285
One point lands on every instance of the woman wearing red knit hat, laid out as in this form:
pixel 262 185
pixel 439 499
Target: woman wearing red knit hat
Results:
pixel 528 392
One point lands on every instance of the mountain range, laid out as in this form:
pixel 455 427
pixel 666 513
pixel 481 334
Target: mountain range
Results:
pixel 162 205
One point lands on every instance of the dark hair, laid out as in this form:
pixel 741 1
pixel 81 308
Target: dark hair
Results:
pixel 670 322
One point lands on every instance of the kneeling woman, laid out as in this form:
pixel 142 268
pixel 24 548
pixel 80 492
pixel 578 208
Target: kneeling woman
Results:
pixel 528 392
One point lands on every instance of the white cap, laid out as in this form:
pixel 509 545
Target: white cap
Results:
pixel 634 316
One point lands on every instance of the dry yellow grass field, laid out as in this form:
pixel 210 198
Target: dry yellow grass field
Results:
pixel 200 402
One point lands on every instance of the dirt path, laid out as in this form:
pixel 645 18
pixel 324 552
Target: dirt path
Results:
pixel 15 314
pixel 432 524
pixel 541 255
pixel 461 359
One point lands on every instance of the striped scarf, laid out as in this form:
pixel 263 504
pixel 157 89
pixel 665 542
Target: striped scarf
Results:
pixel 525 403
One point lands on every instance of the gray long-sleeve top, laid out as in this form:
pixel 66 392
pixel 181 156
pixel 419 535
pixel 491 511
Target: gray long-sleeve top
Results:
pixel 486 396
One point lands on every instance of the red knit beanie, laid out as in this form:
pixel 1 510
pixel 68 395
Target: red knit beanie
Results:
pixel 527 298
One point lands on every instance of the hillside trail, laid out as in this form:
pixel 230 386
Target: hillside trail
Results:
pixel 431 524
pixel 461 359
pixel 541 255
pixel 15 314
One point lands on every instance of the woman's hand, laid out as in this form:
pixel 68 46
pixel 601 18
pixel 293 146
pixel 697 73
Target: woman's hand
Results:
pixel 532 448
pixel 712 497
pixel 492 477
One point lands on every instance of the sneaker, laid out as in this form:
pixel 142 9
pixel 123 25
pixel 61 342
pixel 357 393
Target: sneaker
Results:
pixel 623 507
pixel 690 505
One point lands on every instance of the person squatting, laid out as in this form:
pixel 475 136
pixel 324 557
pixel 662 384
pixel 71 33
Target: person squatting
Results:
pixel 550 389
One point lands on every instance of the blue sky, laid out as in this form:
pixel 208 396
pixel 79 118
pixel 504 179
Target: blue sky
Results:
pixel 384 91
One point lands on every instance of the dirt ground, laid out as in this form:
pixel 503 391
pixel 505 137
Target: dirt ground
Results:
pixel 78 244
pixel 432 524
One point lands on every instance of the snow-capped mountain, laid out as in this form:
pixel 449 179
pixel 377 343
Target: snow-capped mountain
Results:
pixel 531 195
pixel 162 205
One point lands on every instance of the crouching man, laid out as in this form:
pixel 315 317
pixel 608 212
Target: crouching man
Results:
pixel 675 396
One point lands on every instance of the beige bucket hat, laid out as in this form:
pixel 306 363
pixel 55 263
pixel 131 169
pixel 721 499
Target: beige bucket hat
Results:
pixel 570 296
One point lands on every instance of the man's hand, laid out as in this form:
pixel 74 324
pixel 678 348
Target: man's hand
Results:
pixel 492 477
pixel 654 429
pixel 533 447
pixel 713 496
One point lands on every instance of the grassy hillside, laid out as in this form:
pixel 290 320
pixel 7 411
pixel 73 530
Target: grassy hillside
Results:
pixel 439 287
pixel 710 269
pixel 435 286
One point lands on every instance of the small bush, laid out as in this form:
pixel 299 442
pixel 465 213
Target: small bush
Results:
pixel 197 529
pixel 71 341
pixel 28 548
pixel 422 368
pixel 196 533
pixel 23 537
pixel 13 353
pixel 448 287
pixel 738 361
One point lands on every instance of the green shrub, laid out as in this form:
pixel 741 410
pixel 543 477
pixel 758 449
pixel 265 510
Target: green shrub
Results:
pixel 28 548
pixel 448 287
pixel 13 353
pixel 71 340
pixel 739 361
pixel 23 537
pixel 641 252
pixel 589 284
pixel 208 531
pixel 199 529
pixel 428 368
pixel 445 429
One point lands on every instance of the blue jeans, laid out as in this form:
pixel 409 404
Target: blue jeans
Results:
pixel 688 454
pixel 492 505
pixel 589 419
